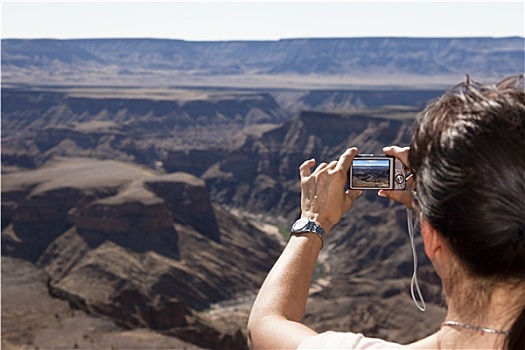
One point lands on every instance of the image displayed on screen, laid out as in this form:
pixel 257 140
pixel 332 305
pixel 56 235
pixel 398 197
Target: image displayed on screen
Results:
pixel 371 173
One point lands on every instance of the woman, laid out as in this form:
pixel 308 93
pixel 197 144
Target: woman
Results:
pixel 467 157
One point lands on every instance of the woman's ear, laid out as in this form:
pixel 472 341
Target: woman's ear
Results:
pixel 432 240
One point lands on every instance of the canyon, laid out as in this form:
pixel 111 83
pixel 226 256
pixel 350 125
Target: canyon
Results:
pixel 148 214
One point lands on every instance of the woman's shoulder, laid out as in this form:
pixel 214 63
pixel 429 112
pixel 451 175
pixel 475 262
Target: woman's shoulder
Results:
pixel 346 340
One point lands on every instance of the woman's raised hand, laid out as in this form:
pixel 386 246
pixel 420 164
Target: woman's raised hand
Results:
pixel 323 196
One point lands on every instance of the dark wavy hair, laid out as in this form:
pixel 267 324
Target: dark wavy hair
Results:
pixel 467 155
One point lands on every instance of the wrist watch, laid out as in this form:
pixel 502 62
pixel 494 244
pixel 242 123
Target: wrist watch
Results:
pixel 304 225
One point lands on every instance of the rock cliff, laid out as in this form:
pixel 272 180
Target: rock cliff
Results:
pixel 38 125
pixel 368 258
pixel 142 235
pixel 290 62
pixel 178 233
pixel 260 172
pixel 146 250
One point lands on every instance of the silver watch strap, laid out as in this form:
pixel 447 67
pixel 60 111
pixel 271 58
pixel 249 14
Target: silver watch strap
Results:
pixel 313 228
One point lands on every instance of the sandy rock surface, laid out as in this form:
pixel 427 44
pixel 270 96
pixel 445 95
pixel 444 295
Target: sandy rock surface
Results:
pixel 32 319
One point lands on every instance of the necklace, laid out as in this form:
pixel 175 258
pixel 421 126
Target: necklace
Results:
pixel 474 328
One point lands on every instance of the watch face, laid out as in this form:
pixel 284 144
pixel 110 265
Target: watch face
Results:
pixel 300 224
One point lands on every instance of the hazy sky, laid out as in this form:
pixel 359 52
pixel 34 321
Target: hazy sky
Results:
pixel 370 162
pixel 250 20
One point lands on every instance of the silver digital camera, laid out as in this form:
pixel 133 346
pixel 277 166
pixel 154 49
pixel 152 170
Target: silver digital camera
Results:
pixel 376 171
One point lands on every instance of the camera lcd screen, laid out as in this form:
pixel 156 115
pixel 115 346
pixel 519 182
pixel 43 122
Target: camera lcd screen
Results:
pixel 370 173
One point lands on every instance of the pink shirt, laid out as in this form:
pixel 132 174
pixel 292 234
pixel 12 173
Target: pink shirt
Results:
pixel 340 340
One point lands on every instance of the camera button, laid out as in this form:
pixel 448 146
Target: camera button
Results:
pixel 400 178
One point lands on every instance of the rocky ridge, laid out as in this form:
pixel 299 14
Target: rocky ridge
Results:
pixel 290 62
pixel 154 248
pixel 178 130
pixel 127 221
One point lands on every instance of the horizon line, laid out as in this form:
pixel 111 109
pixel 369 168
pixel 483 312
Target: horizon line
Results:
pixel 270 40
